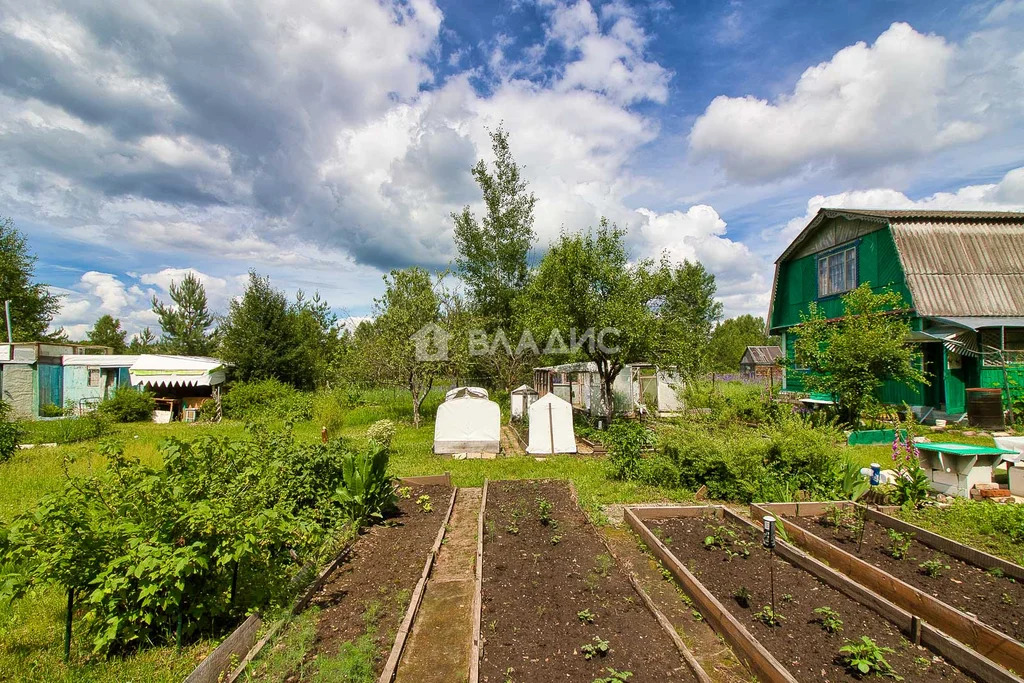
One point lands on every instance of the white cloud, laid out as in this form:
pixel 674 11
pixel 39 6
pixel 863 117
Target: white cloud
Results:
pixel 700 234
pixel 1006 195
pixel 905 96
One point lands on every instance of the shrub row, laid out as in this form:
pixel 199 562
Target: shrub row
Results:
pixel 156 555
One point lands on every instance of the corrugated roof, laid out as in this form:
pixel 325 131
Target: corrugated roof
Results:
pixel 959 265
pixel 913 214
pixel 763 355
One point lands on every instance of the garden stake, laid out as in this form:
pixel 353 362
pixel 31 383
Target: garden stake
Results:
pixel 768 541
pixel 67 624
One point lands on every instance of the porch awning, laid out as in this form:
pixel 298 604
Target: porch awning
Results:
pixel 956 339
pixel 176 371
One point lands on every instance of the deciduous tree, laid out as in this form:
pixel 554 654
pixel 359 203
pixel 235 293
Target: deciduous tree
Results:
pixel 32 305
pixel 851 356
pixel 493 259
pixel 420 329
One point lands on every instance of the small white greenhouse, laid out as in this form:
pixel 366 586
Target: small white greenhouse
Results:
pixel 551 429
pixel 522 397
pixel 467 422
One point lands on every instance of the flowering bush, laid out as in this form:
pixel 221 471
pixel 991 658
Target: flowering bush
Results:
pixel 382 431
pixel 911 486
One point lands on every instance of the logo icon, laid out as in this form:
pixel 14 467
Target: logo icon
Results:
pixel 431 342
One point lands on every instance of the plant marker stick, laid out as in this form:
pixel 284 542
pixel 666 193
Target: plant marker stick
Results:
pixel 768 541
pixel 67 624
pixel 863 524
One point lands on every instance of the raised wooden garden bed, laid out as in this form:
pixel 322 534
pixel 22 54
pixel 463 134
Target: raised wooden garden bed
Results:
pixel 983 609
pixel 800 649
pixel 384 568
pixel 550 588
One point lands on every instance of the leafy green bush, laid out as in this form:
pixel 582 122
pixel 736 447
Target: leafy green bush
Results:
pixel 140 548
pixel 367 491
pixel 128 405
pixel 50 410
pixel 267 399
pixel 738 463
pixel 626 441
pixel 10 433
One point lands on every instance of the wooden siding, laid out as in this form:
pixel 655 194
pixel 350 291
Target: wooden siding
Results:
pixel 877 263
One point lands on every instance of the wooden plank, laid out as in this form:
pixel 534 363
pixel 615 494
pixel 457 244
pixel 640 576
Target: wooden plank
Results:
pixel 666 625
pixel 429 480
pixel 757 658
pixel 960 551
pixel 991 643
pixel 474 651
pixel 957 653
pixel 391 666
pixel 235 646
pixel 670 511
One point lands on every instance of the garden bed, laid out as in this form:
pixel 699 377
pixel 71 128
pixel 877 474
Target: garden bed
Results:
pixel 548 589
pixel 734 569
pixel 994 598
pixel 363 602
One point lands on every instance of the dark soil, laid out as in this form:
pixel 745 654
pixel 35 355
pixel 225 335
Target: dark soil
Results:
pixel 533 590
pixel 996 601
pixel 800 643
pixel 379 575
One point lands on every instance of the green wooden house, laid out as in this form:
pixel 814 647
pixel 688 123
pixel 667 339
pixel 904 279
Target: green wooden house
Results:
pixel 960 272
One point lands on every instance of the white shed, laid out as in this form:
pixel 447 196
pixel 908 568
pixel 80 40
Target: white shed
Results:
pixel 522 397
pixel 467 423
pixel 551 429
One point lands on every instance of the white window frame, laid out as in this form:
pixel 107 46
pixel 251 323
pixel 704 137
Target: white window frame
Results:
pixel 841 263
pixel 95 372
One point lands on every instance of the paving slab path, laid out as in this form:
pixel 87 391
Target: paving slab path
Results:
pixel 440 643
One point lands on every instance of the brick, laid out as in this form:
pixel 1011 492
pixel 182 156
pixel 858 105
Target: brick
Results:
pixel 986 486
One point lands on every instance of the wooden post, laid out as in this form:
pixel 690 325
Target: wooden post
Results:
pixel 551 429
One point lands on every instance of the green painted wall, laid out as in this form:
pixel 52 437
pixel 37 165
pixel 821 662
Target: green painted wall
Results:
pixel 877 263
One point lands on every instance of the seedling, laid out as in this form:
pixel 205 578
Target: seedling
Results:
pixel 556 539
pixel 604 565
pixel 742 596
pixel 922 662
pixel 899 544
pixel 424 503
pixel 1006 599
pixel 697 615
pixel 933 567
pixel 598 648
pixel 585 616
pixel 769 617
pixel 787 597
pixel 996 572
pixel 864 657
pixel 614 676
pixel 405 492
pixel 829 619
pixel 721 537
pixel 513 526
pixel 544 508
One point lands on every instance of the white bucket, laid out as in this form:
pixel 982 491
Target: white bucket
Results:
pixel 940 423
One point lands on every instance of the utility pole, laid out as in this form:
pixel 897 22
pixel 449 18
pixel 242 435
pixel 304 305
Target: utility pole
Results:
pixel 7 310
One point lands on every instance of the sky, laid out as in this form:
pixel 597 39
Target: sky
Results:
pixel 324 143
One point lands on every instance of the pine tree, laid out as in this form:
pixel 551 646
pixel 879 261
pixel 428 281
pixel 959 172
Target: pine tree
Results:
pixel 186 322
